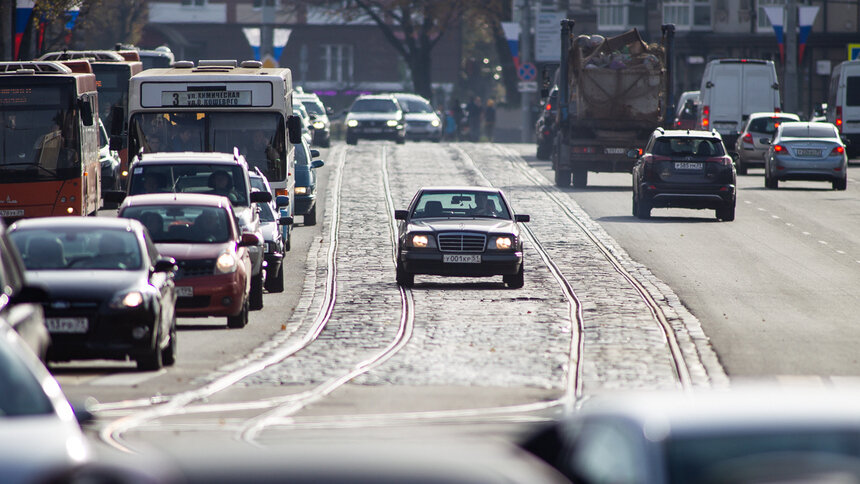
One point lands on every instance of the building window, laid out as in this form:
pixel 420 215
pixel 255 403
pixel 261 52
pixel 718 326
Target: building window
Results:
pixel 688 14
pixel 194 3
pixel 764 22
pixel 338 61
pixel 620 14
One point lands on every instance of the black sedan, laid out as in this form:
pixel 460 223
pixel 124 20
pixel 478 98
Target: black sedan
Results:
pixel 306 183
pixel 459 231
pixel 111 294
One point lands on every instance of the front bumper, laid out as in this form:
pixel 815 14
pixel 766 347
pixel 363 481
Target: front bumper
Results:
pixel 430 262
pixel 687 196
pixel 321 136
pixel 108 336
pixel 304 203
pixel 423 132
pixel 386 132
pixel 215 295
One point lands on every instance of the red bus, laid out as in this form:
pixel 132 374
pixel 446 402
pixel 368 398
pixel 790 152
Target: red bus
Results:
pixel 49 145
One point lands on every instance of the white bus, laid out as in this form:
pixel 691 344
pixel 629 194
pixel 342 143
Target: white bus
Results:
pixel 217 106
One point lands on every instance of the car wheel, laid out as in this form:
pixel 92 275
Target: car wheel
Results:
pixel 741 167
pixel 256 296
pixel 168 356
pixel 770 182
pixel 643 209
pixel 727 213
pixel 562 178
pixel 580 178
pixel 400 140
pixel 275 281
pixel 840 184
pixel 404 278
pixel 327 143
pixel 288 237
pixel 515 281
pixel 153 361
pixel 351 140
pixel 635 206
pixel 240 320
pixel 311 216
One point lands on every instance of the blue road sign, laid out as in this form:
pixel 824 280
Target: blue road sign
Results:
pixel 527 72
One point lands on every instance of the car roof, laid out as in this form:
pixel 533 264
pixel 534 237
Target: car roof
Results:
pixel 52 223
pixel 410 95
pixel 774 115
pixel 376 96
pixel 199 199
pixel 190 157
pixel 688 133
pixel 460 188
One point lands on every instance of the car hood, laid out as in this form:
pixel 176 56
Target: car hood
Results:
pixel 270 230
pixel 33 447
pixel 372 116
pixel 192 251
pixel 101 284
pixel 421 116
pixel 303 175
pixel 464 224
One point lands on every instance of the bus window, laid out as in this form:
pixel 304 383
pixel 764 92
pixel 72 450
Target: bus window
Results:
pixel 33 137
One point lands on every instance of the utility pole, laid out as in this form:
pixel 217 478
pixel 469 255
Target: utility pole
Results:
pixel 267 29
pixel 526 57
pixel 791 75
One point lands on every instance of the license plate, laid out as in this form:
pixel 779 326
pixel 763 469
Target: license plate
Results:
pixel 614 151
pixel 184 291
pixel 11 213
pixel 461 258
pixel 67 325
pixel 807 152
pixel 686 165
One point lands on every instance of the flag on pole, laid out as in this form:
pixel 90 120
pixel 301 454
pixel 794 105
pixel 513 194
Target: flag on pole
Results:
pixel 512 35
pixel 806 17
pixel 253 36
pixel 776 15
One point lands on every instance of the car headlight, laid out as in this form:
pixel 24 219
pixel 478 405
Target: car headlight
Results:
pixel 504 243
pixel 422 241
pixel 319 125
pixel 226 263
pixel 435 123
pixel 301 190
pixel 392 122
pixel 130 299
pixel 352 123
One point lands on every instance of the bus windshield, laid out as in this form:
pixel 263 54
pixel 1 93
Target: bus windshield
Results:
pixel 260 137
pixel 38 144
pixel 112 82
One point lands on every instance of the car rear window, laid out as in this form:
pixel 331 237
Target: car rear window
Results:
pixel 852 91
pixel 809 131
pixel 687 146
pixel 191 178
pixel 767 125
pixel 183 224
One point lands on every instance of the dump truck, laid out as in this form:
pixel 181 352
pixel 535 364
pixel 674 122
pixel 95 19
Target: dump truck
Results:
pixel 617 91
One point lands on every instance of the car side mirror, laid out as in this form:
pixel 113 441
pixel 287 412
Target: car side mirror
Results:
pixel 401 214
pixel 317 164
pixel 261 197
pixel 115 143
pixel 315 153
pixel 282 201
pixel 294 127
pixel 165 264
pixel 113 196
pixel 764 141
pixel 329 110
pixel 285 220
pixel 522 218
pixel 634 153
pixel 31 295
pixel 249 240
pixel 845 141
pixel 117 121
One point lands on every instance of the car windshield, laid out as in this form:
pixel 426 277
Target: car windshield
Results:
pixel 183 224
pixel 22 393
pixel 77 248
pixel 809 131
pixel 687 146
pixel 214 179
pixel 374 106
pixel 416 105
pixel 314 108
pixel 465 204
pixel 767 125
pixel 266 214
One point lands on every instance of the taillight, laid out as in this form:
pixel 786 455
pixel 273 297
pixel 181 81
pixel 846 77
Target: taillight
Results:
pixel 748 139
pixel 548 106
pixel 677 122
pixel 838 150
pixel 779 148
pixel 838 121
pixel 777 110
pixel 706 117
pixel 723 160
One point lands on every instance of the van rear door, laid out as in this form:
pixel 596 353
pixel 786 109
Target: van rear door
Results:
pixel 758 94
pixel 725 97
pixel 851 104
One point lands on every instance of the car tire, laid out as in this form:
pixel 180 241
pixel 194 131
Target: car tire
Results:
pixel 153 361
pixel 404 278
pixel 741 167
pixel 351 140
pixel 311 216
pixel 544 151
pixel 643 209
pixel 727 213
pixel 562 178
pixel 400 140
pixel 580 178
pixel 515 281
pixel 240 320
pixel 256 297
pixel 326 143
pixel 840 184
pixel 771 183
pixel 275 282
pixel 168 356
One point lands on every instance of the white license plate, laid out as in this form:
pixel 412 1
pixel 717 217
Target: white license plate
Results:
pixel 686 165
pixel 807 152
pixel 461 258
pixel 184 291
pixel 67 325
pixel 11 213
pixel 614 151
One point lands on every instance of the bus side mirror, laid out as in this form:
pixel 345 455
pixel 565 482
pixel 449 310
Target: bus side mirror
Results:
pixel 86 112
pixel 117 120
pixel 116 142
pixel 294 128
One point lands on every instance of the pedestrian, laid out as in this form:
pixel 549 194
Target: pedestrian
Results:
pixel 490 119
pixel 475 112
pixel 457 113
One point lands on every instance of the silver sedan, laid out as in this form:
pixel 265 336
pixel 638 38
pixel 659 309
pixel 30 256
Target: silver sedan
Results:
pixel 806 151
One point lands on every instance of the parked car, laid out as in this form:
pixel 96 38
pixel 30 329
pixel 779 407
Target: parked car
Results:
pixel 306 183
pixel 843 103
pixel 111 292
pixel 806 151
pixel 109 160
pixel 687 110
pixel 546 126
pixel 422 122
pixel 375 116
pixel 208 173
pixel 749 146
pixel 686 169
pixel 40 434
pixel 763 435
pixel 319 117
pixel 212 253
pixel 460 231
pixel 731 90
pixel 270 226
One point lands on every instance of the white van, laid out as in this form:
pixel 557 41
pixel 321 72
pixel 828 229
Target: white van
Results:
pixel 731 90
pixel 843 103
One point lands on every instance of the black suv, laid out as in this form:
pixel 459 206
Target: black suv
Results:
pixel 684 169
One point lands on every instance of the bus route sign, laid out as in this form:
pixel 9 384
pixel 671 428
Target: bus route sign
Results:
pixel 206 98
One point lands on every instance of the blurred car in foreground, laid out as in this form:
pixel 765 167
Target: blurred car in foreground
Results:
pixel 460 231
pixel 749 146
pixel 201 233
pixel 375 116
pixel 806 151
pixel 39 431
pixel 762 435
pixel 422 122
pixel 684 169
pixel 111 292
pixel 306 183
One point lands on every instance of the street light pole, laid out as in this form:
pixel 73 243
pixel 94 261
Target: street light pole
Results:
pixel 525 57
pixel 791 75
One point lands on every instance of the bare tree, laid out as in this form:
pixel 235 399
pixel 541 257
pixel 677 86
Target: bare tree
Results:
pixel 106 22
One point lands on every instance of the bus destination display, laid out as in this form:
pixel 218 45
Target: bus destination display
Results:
pixel 31 96
pixel 206 98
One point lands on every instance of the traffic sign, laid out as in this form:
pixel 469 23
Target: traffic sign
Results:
pixel 527 72
pixel 527 86
pixel 853 51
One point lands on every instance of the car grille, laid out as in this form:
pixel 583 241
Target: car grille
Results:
pixel 195 267
pixel 194 302
pixel 419 124
pixel 460 242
